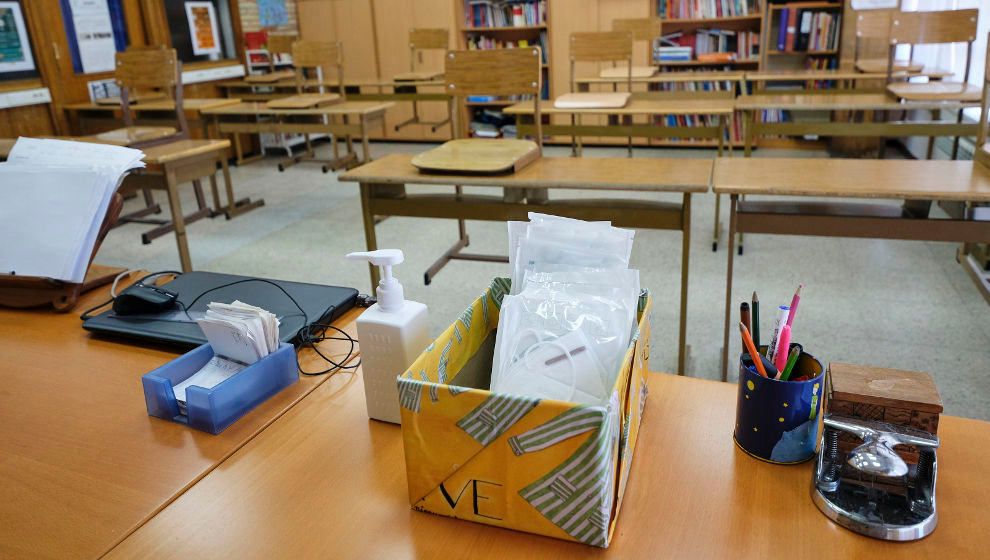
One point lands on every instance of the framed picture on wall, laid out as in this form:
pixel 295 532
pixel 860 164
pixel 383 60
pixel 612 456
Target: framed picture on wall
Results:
pixel 15 48
pixel 203 30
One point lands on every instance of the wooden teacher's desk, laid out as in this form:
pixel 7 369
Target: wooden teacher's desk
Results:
pixel 323 481
pixel 82 463
pixel 918 182
pixel 384 182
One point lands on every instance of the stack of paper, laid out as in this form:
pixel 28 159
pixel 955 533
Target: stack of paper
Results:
pixel 240 335
pixel 55 195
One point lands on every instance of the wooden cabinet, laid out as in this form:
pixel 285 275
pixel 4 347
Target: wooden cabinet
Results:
pixel 393 20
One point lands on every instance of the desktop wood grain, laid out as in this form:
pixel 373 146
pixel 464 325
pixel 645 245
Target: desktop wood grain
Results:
pixel 697 106
pixel 855 178
pixel 620 174
pixel 840 102
pixel 82 463
pixel 325 482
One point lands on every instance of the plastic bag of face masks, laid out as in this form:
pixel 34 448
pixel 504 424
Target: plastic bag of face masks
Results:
pixel 564 335
pixel 566 242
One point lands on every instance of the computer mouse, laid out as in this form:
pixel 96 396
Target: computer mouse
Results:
pixel 141 299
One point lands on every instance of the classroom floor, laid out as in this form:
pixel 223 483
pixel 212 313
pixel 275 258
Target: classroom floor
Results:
pixel 896 304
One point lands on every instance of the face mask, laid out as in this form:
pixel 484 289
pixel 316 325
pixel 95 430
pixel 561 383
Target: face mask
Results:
pixel 563 369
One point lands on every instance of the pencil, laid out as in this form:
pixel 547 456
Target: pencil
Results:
pixel 790 363
pixel 744 315
pixel 794 305
pixel 756 320
pixel 748 342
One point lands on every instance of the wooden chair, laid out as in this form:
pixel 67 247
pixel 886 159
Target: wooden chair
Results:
pixel 873 31
pixel 279 43
pixel 643 29
pixel 490 72
pixel 422 40
pixel 950 26
pixel 143 68
pixel 599 46
pixel 311 59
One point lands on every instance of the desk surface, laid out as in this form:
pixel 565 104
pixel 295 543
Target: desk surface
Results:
pixel 619 174
pixel 189 104
pixel 344 108
pixel 840 101
pixel 667 77
pixel 324 481
pixel 291 83
pixel 699 106
pixel 81 461
pixel 791 75
pixel 855 178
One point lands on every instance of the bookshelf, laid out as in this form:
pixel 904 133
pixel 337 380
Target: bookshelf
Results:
pixel 499 24
pixel 822 26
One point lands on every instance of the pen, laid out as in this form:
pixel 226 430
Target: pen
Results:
pixel 782 346
pixel 794 305
pixel 782 312
pixel 756 320
pixel 744 315
pixel 790 363
pixel 748 342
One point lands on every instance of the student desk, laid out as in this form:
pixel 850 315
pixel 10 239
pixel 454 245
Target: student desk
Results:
pixel 81 461
pixel 323 481
pixel 384 182
pixel 584 84
pixel 89 118
pixel 919 182
pixel 256 91
pixel 254 118
pixel 825 100
pixel 654 104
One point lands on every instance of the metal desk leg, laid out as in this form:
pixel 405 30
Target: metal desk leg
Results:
pixel 370 241
pixel 931 139
pixel 733 206
pixel 685 252
pixel 955 141
pixel 234 207
pixel 178 220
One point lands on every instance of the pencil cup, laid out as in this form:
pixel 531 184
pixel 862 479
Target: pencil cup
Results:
pixel 777 421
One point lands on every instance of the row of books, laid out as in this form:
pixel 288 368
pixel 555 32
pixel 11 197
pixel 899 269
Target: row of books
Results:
pixel 741 45
pixel 822 63
pixel 804 29
pixel 509 13
pixel 484 42
pixel 698 9
pixel 734 134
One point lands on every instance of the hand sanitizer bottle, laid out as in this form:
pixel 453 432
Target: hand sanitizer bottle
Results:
pixel 392 334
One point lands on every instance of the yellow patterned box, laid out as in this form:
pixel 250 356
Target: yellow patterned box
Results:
pixel 541 466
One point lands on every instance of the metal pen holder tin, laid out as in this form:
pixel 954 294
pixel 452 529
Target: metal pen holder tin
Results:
pixel 777 421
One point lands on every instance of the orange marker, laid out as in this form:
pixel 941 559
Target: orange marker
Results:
pixel 751 348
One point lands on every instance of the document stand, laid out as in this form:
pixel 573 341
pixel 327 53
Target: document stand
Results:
pixel 34 291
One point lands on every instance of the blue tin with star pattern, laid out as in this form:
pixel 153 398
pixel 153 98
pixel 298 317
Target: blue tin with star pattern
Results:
pixel 777 421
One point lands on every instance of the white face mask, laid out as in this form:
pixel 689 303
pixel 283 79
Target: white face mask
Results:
pixel 562 369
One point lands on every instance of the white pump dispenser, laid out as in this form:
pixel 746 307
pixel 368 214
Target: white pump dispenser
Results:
pixel 392 334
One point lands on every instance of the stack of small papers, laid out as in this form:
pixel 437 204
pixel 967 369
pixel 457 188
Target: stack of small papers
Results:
pixel 55 197
pixel 240 334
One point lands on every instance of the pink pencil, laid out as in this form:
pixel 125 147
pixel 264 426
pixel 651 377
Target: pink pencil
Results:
pixel 794 305
pixel 783 349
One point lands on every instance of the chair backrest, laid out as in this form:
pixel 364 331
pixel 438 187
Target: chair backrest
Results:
pixel 318 55
pixel 496 72
pixel 421 39
pixel 147 68
pixel 979 153
pixel 601 46
pixel 643 29
pixel 947 26
pixel 278 43
pixel 872 25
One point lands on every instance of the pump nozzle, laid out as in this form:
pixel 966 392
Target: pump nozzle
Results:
pixel 390 296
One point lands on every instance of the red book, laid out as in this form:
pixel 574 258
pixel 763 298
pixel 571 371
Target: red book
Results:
pixel 791 28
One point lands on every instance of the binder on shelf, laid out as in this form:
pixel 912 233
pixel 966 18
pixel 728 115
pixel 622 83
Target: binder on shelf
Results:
pixel 782 29
pixel 791 28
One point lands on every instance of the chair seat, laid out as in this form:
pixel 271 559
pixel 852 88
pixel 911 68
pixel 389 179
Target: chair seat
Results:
pixel 131 135
pixel 605 100
pixel 879 65
pixel 304 101
pixel 478 156
pixel 623 71
pixel 421 76
pixel 936 91
pixel 172 151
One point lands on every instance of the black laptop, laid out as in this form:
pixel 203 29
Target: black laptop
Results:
pixel 319 304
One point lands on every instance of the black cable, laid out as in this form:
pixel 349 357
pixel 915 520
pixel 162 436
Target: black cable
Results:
pixel 308 334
